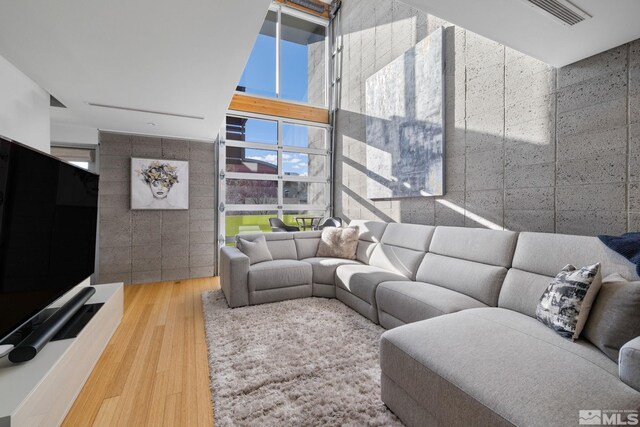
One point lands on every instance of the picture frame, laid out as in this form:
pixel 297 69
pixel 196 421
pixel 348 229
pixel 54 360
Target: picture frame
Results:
pixel 159 184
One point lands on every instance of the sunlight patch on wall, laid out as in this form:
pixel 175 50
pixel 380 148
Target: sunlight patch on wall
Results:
pixel 474 217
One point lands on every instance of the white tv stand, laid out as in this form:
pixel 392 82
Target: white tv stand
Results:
pixel 40 392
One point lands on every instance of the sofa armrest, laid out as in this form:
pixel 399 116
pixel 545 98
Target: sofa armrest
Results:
pixel 234 272
pixel 629 363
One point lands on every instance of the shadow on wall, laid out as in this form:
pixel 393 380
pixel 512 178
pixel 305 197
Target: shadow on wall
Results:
pixel 505 167
pixel 416 210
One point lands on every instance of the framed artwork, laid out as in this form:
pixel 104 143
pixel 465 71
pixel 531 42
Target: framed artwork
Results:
pixel 159 184
pixel 405 124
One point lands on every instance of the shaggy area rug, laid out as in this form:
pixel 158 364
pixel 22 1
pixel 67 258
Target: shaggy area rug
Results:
pixel 302 362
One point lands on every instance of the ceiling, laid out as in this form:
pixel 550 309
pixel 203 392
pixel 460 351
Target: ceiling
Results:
pixel 166 56
pixel 521 26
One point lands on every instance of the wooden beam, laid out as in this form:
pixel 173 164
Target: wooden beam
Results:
pixel 324 14
pixel 273 107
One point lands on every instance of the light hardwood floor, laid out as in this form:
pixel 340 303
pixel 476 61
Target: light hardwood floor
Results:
pixel 154 370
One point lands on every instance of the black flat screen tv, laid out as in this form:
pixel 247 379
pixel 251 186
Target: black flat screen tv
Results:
pixel 48 218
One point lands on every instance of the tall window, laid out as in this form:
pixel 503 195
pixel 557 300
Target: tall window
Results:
pixel 274 167
pixel 288 60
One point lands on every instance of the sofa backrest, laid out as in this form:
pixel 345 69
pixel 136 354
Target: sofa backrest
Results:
pixel 540 256
pixel 472 261
pixel 402 248
pixel 281 244
pixel 306 243
pixel 370 235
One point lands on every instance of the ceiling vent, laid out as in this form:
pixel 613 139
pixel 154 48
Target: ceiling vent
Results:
pixel 562 10
pixel 139 110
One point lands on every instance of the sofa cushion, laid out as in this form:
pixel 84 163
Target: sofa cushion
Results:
pixel 338 242
pixel 279 274
pixel 369 236
pixel 369 231
pixel 256 249
pixel 615 316
pixel 364 251
pixel 546 254
pixel 488 365
pixel 521 291
pixel 539 257
pixel 306 243
pixel 474 279
pixel 397 259
pixel 362 280
pixel 401 248
pixel 629 363
pixel 281 244
pixel 324 269
pixel 410 236
pixel 494 247
pixel 565 304
pixel 414 301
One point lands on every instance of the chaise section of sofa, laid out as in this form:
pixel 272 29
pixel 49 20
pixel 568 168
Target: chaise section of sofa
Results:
pixel 492 366
pixel 499 365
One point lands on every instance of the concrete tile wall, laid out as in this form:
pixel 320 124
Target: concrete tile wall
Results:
pixel 149 246
pixel 528 146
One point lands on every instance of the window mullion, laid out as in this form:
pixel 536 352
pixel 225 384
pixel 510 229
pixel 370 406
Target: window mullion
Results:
pixel 280 169
pixel 278 40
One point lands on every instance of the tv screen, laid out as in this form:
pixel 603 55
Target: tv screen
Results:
pixel 48 217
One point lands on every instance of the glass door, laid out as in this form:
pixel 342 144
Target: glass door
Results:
pixel 271 168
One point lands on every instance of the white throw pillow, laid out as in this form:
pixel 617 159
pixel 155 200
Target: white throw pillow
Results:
pixel 338 242
pixel 565 305
pixel 256 249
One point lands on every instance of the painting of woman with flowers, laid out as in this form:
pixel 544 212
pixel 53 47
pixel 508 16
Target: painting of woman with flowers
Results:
pixel 159 184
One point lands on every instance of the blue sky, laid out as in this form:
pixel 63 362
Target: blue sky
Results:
pixel 292 163
pixel 259 78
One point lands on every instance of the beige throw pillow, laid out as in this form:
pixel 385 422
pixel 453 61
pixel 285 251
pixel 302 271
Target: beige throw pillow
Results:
pixel 338 242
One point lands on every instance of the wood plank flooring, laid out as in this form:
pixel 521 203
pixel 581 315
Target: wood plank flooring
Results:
pixel 154 370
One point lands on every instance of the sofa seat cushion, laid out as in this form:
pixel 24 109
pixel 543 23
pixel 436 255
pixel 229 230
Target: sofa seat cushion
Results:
pixel 324 269
pixel 491 366
pixel 280 273
pixel 414 301
pixel 362 280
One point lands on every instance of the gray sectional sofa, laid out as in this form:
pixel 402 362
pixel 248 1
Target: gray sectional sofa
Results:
pixel 463 345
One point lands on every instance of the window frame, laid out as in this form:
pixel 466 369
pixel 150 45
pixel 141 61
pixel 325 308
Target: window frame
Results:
pixel 284 9
pixel 280 177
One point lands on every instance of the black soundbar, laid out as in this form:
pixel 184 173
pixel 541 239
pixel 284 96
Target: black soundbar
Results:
pixel 36 340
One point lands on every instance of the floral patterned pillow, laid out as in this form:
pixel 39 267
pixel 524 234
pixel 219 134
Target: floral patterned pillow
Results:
pixel 565 305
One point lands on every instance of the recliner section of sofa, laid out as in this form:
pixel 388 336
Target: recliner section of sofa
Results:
pixel 393 253
pixel 284 278
pixel 464 268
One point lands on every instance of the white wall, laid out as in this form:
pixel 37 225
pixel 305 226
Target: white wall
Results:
pixel 24 108
pixel 66 133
